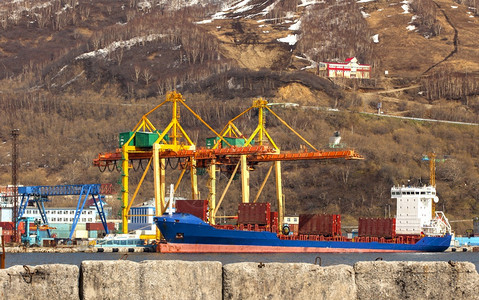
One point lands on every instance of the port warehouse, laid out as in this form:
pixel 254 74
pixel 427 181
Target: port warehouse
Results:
pixel 59 219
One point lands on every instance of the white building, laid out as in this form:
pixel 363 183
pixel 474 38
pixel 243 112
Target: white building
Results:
pixel 349 69
pixel 141 217
pixel 64 215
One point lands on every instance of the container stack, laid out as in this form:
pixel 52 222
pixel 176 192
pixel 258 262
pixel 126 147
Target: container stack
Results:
pixel 198 208
pixel 377 227
pixel 319 224
pixel 254 214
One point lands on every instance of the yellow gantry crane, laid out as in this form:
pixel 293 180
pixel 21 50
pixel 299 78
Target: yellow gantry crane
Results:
pixel 167 143
pixel 261 137
pixel 173 142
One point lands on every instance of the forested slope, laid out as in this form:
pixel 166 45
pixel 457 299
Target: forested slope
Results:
pixel 76 73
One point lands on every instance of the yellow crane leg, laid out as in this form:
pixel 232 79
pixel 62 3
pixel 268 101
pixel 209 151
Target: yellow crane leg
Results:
pixel 124 192
pixel 157 182
pixel 212 195
pixel 244 179
pixel 163 184
pixel 279 194
pixel 194 180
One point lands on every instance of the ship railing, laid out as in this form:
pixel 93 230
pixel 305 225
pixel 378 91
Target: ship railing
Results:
pixel 438 226
pixel 442 217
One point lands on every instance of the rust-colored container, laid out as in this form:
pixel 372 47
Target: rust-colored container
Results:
pixel 7 238
pixel 98 226
pixel 7 225
pixel 377 227
pixel 254 213
pixel 317 224
pixel 198 208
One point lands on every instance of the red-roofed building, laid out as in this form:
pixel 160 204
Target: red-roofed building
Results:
pixel 349 69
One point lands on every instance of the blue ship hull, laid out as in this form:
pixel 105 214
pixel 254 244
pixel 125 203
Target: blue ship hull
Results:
pixel 187 233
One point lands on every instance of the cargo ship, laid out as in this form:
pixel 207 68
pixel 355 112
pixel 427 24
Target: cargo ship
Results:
pixel 417 227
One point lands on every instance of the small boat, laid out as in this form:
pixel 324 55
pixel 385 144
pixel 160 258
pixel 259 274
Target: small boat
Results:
pixel 416 228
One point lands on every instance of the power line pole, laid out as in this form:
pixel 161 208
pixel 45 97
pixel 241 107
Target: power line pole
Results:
pixel 15 133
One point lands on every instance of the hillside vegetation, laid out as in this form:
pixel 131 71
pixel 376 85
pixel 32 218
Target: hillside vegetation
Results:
pixel 74 74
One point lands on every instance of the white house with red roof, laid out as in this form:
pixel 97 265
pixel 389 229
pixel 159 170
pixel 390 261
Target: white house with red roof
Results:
pixel 349 69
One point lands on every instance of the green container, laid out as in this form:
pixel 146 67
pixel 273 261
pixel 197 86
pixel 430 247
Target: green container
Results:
pixel 233 141
pixel 210 142
pixel 238 142
pixel 147 139
pixel 124 137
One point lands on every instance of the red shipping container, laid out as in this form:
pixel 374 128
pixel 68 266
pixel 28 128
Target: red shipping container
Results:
pixel 327 225
pixel 99 226
pixel 7 225
pixel 7 238
pixel 377 227
pixel 254 213
pixel 198 208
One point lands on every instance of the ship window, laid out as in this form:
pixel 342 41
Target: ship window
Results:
pixel 423 193
pixel 417 193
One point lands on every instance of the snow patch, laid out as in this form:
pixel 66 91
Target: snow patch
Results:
pixel 405 6
pixel 204 21
pixel 121 44
pixel 375 38
pixel 309 2
pixel 411 27
pixel 365 14
pixel 295 26
pixel 291 39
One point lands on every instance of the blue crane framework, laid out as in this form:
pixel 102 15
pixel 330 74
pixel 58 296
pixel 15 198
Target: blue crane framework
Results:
pixel 40 194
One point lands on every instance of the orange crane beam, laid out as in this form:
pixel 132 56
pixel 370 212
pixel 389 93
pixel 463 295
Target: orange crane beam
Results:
pixel 255 154
pixel 316 155
pixel 200 154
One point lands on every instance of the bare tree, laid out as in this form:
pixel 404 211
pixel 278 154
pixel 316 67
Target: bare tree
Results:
pixel 119 56
pixel 137 73
pixel 147 75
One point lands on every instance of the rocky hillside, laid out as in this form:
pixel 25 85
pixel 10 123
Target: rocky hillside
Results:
pixel 76 73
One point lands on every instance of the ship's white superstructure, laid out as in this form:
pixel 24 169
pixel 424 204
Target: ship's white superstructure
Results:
pixel 415 212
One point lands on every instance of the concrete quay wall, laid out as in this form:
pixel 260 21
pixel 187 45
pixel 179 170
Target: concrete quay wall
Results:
pixel 161 279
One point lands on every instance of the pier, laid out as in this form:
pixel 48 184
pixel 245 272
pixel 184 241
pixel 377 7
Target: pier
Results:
pixel 213 280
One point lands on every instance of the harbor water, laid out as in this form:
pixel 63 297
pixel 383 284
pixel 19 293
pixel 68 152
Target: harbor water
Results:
pixel 325 259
